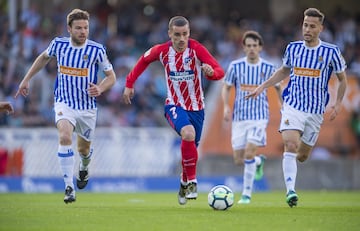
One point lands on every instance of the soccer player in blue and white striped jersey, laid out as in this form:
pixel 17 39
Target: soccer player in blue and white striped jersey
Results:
pixel 76 87
pixel 249 117
pixel 310 64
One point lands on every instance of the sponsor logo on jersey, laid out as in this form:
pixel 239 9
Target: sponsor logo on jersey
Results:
pixel 307 72
pixel 247 87
pixel 182 75
pixel 80 72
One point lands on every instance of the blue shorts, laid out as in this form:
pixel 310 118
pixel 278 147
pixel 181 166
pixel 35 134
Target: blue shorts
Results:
pixel 177 117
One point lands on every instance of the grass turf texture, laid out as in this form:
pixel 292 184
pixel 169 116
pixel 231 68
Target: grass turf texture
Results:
pixel 317 210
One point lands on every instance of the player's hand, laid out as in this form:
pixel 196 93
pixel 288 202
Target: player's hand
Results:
pixel 207 69
pixel 128 95
pixel 7 107
pixel 334 111
pixel 23 89
pixel 94 90
pixel 227 113
pixel 254 93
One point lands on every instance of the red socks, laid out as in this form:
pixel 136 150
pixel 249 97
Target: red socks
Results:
pixel 189 156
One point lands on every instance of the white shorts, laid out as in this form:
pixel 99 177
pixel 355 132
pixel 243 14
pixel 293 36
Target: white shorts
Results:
pixel 308 124
pixel 252 131
pixel 84 121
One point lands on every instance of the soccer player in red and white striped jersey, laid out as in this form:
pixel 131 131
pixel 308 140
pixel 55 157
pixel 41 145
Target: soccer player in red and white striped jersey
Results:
pixel 310 64
pixel 76 88
pixel 184 60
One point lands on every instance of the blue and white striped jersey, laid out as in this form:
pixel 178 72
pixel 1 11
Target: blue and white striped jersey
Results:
pixel 76 68
pixel 246 77
pixel 311 68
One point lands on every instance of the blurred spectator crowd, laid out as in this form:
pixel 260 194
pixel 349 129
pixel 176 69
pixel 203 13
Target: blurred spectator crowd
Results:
pixel 129 31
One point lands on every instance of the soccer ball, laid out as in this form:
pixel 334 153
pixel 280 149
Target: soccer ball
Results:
pixel 220 197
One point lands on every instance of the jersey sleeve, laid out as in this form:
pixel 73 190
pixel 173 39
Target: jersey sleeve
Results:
pixel 50 50
pixel 143 62
pixel 229 75
pixel 104 62
pixel 338 61
pixel 286 57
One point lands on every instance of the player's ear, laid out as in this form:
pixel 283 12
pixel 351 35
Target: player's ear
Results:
pixel 169 33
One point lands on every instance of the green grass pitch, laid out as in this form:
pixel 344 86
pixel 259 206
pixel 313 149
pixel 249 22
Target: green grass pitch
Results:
pixel 317 210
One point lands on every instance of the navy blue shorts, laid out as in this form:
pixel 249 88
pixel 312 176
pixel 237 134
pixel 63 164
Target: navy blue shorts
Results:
pixel 177 117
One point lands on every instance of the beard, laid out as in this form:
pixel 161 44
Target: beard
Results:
pixel 78 41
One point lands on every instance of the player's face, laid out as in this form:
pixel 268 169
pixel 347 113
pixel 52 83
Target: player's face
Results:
pixel 79 31
pixel 311 29
pixel 252 49
pixel 179 36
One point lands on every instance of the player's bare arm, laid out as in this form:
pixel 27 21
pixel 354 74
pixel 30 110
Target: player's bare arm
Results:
pixel 225 94
pixel 279 90
pixel 278 76
pixel 109 80
pixel 39 63
pixel 335 109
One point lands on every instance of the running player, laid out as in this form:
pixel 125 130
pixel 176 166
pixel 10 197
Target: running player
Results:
pixel 76 88
pixel 184 60
pixel 250 117
pixel 310 64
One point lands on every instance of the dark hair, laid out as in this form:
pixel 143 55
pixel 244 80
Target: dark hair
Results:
pixel 254 35
pixel 178 21
pixel 313 12
pixel 77 14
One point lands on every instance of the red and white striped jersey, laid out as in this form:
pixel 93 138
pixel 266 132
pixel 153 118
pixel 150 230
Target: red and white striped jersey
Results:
pixel 182 72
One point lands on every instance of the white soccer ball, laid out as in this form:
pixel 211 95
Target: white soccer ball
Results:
pixel 221 197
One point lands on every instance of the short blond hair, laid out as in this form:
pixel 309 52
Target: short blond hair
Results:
pixel 77 14
pixel 313 12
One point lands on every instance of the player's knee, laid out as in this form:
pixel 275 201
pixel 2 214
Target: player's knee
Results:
pixel 188 134
pixel 291 146
pixel 238 161
pixel 84 150
pixel 302 158
pixel 65 139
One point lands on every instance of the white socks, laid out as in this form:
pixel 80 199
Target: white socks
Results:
pixel 249 175
pixel 257 160
pixel 289 170
pixel 66 160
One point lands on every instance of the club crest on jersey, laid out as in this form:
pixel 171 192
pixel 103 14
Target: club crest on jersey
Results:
pixel 86 57
pixel 187 60
pixel 320 59
pixel 287 122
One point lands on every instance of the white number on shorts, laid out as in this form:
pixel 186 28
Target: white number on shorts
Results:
pixel 313 137
pixel 173 111
pixel 257 132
